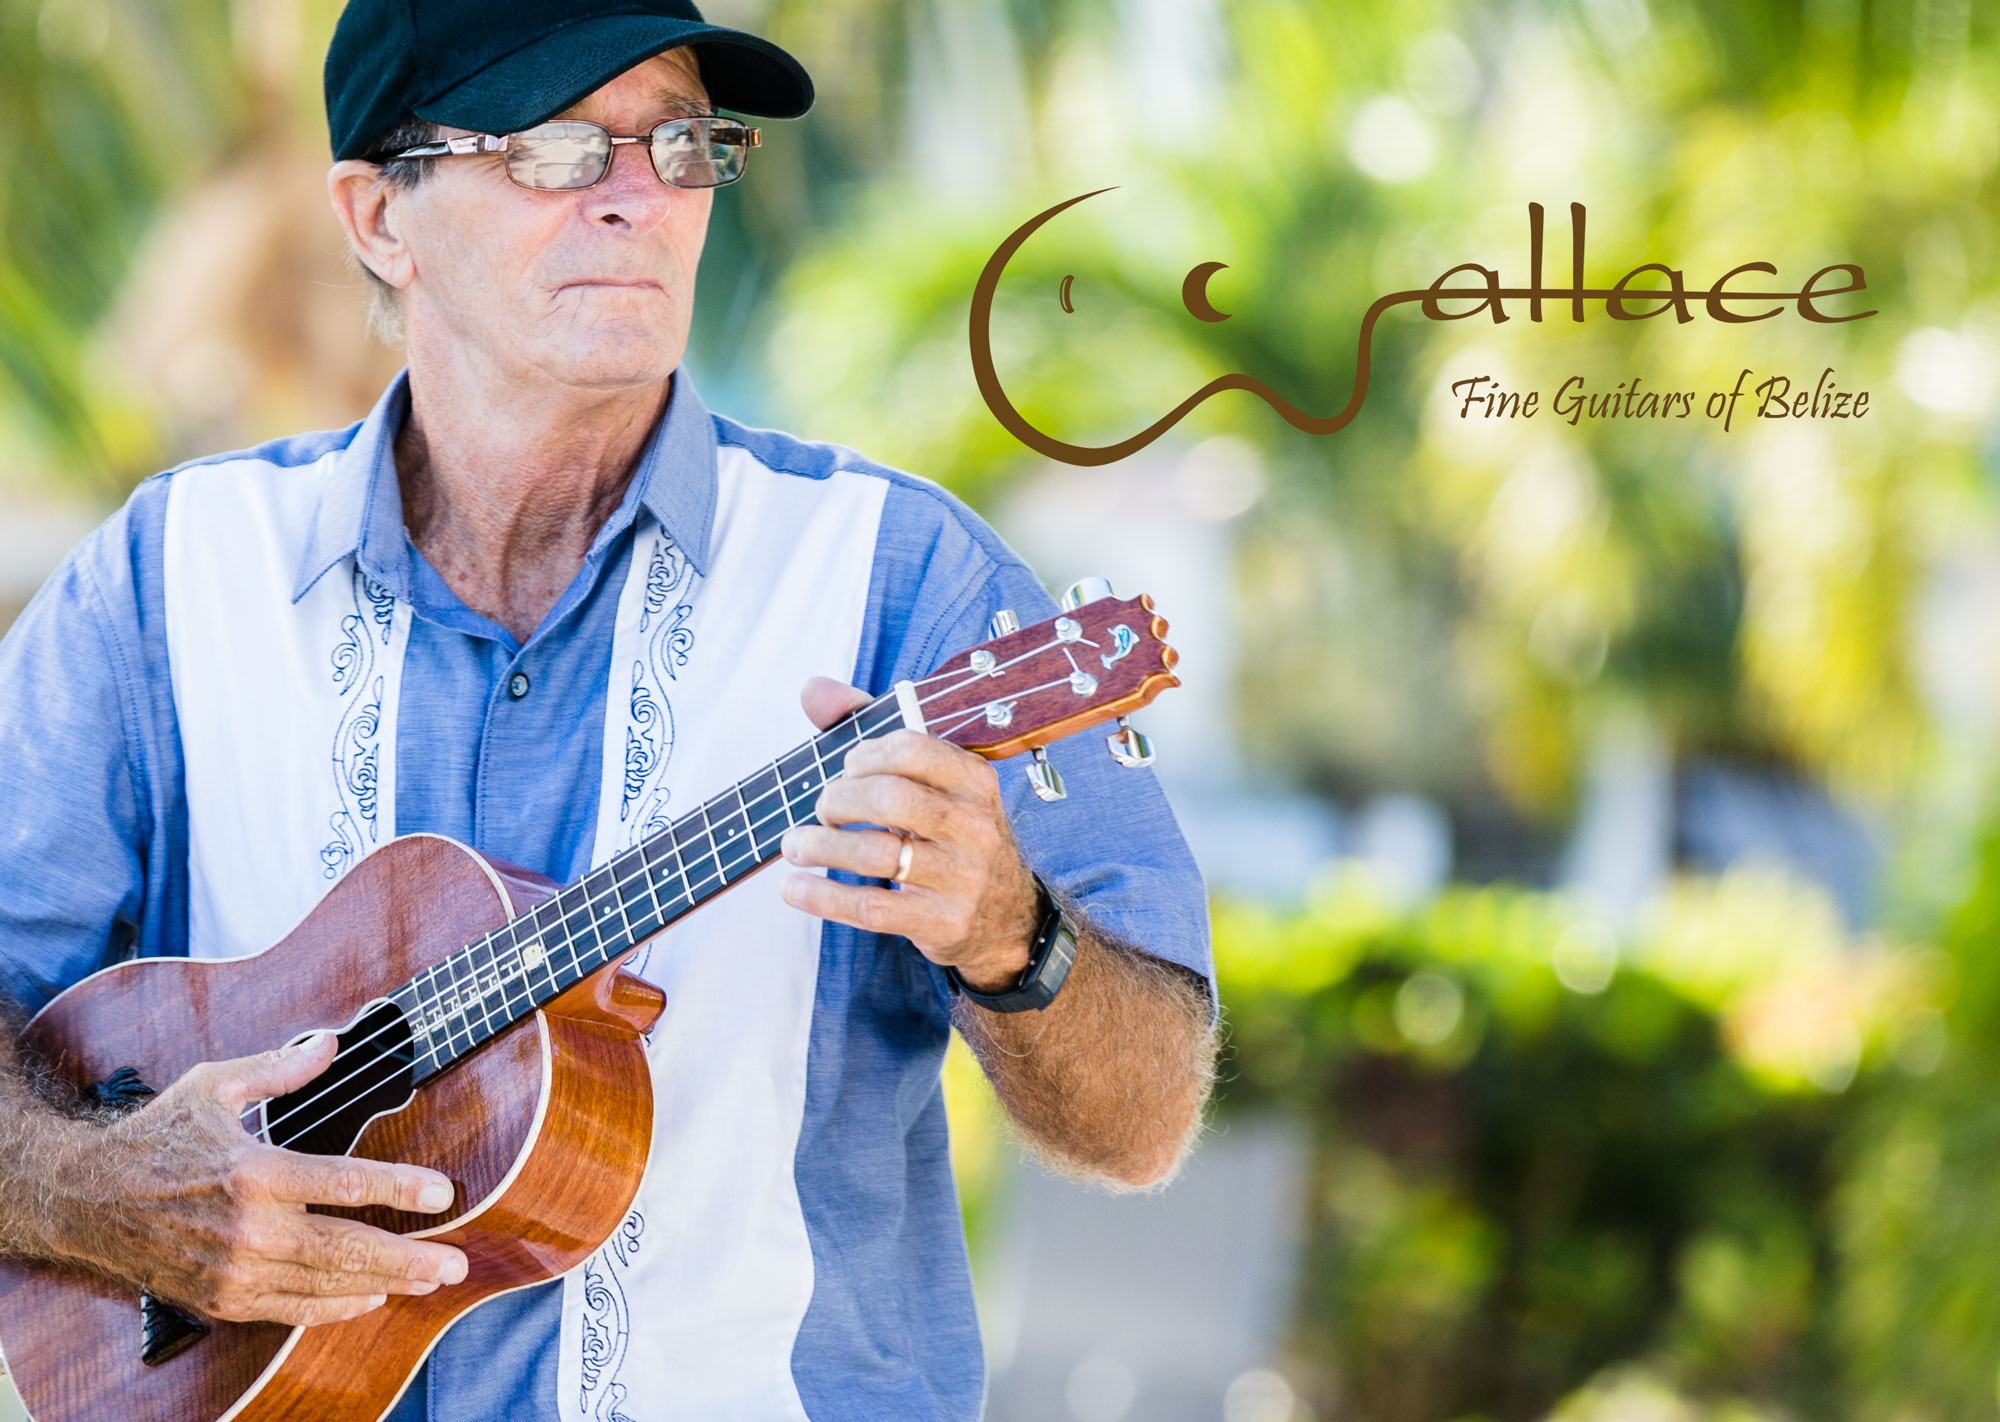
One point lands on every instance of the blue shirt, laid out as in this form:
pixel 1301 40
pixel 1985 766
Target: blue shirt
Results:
pixel 93 850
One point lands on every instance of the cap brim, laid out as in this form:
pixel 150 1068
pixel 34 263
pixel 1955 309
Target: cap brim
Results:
pixel 742 72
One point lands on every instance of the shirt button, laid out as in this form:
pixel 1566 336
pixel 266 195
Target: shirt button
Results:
pixel 517 685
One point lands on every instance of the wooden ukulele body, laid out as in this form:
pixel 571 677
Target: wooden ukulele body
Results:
pixel 544 1130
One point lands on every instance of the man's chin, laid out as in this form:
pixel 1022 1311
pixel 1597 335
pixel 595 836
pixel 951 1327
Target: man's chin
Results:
pixel 620 367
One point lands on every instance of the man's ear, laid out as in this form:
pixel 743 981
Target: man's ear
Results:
pixel 366 206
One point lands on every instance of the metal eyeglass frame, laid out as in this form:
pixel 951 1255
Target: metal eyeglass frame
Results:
pixel 500 143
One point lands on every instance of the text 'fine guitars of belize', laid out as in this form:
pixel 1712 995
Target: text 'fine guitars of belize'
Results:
pixel 486 1031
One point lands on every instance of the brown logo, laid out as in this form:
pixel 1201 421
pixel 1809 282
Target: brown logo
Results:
pixel 1486 294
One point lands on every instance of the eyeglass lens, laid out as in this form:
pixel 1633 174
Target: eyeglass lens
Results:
pixel 687 153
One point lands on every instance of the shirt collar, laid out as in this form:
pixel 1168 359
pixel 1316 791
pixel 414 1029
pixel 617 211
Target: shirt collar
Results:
pixel 360 510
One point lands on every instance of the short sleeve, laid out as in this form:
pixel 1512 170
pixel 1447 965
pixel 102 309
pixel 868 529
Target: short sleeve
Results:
pixel 73 835
pixel 1113 845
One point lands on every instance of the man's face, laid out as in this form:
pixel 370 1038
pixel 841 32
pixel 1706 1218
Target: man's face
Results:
pixel 592 287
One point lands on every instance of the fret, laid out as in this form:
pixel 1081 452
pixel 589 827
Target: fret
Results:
pixel 715 853
pixel 545 919
pixel 418 1009
pixel 407 1000
pixel 801 782
pixel 519 982
pixel 835 744
pixel 579 930
pixel 769 815
pixel 654 855
pixel 513 960
pixel 735 839
pixel 637 891
pixel 497 984
pixel 485 974
pixel 433 989
pixel 624 909
pixel 721 837
pixel 605 901
pixel 652 883
pixel 555 981
pixel 819 763
pixel 672 834
pixel 461 993
pixel 535 955
pixel 510 972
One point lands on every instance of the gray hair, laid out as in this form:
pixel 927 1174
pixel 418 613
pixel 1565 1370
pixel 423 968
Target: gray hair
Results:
pixel 385 308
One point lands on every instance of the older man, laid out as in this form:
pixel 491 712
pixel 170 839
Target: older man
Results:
pixel 536 596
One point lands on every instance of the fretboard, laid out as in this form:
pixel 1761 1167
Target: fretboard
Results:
pixel 503 977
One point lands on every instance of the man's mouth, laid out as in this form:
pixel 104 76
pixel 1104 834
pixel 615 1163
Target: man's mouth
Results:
pixel 609 284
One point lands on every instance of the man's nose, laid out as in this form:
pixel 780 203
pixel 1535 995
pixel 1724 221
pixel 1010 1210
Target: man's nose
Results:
pixel 631 194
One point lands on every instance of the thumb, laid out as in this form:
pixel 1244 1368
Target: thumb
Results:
pixel 827 700
pixel 245 1079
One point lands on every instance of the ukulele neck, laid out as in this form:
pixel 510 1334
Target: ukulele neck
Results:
pixel 501 978
pixel 1018 691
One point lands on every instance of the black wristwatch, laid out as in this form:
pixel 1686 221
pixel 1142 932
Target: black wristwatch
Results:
pixel 1049 957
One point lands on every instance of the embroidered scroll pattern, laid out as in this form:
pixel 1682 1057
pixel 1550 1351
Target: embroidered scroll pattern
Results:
pixel 607 1323
pixel 356 756
pixel 666 640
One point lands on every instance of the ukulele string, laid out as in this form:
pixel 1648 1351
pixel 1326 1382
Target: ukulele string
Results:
pixel 691 886
pixel 694 888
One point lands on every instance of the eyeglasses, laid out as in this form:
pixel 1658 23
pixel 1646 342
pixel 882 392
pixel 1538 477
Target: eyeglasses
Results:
pixel 701 152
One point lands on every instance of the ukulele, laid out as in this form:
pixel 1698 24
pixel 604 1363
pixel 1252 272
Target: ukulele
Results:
pixel 486 1030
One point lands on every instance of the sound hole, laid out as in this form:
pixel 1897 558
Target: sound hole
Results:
pixel 372 1072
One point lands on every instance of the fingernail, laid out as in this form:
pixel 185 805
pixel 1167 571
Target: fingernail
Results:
pixel 453 1271
pixel 435 1196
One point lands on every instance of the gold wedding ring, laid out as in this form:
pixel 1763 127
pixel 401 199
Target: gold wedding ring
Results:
pixel 903 862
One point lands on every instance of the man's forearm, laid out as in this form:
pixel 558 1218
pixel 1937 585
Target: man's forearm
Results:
pixel 44 1153
pixel 1109 1080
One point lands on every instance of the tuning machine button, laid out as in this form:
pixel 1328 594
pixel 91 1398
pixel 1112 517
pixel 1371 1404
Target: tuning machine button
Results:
pixel 1130 746
pixel 1046 780
pixel 1003 622
pixel 1085 590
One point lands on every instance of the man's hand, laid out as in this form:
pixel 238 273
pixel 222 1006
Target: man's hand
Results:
pixel 179 1199
pixel 968 901
pixel 1107 1082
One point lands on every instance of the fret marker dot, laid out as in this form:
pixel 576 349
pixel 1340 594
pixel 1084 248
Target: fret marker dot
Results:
pixel 531 956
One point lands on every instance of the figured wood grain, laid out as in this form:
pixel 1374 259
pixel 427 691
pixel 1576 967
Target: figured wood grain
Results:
pixel 543 1131
pixel 575 1185
pixel 1040 717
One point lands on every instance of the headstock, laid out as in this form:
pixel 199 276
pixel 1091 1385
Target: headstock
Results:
pixel 1100 660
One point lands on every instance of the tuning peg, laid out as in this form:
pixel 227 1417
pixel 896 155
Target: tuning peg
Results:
pixel 1130 747
pixel 1003 622
pixel 1045 778
pixel 1085 590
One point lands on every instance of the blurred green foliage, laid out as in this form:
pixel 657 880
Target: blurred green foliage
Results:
pixel 1542 1152
pixel 105 109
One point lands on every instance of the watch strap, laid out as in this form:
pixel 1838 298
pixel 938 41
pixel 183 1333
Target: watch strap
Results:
pixel 1049 960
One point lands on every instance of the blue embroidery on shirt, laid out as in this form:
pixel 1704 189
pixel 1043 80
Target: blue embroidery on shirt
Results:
pixel 381 605
pixel 357 739
pixel 667 642
pixel 607 1324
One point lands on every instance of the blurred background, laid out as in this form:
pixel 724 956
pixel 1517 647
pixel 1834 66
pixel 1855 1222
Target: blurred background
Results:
pixel 1601 821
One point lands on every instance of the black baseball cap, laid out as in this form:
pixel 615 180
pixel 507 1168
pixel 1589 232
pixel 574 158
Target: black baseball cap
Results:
pixel 499 66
